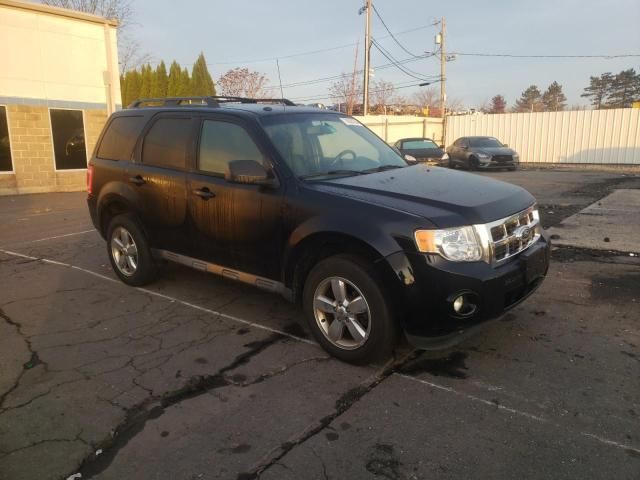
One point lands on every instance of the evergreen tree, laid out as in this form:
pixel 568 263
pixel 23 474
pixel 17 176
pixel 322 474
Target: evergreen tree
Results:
pixel 553 99
pixel 175 76
pixel 185 88
pixel 160 81
pixel 624 89
pixel 146 81
pixel 132 90
pixel 498 104
pixel 530 100
pixel 201 81
pixel 598 89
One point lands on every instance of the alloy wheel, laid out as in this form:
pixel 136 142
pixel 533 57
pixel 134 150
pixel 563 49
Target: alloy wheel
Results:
pixel 342 313
pixel 124 251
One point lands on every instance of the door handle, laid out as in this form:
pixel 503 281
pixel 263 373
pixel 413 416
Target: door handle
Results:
pixel 137 180
pixel 204 193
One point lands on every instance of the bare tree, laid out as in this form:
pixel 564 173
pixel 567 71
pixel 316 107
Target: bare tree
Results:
pixel 241 82
pixel 381 94
pixel 346 91
pixel 120 10
pixel 427 98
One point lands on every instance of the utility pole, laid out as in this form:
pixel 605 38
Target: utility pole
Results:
pixel 367 55
pixel 443 78
pixel 352 96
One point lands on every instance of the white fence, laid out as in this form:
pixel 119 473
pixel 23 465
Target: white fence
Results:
pixel 592 136
pixel 392 128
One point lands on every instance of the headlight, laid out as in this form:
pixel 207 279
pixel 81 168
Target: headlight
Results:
pixel 459 244
pixel 483 155
pixel 516 156
pixel 445 156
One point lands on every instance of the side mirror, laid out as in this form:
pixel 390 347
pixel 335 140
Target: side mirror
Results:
pixel 249 172
pixel 410 159
pixel 505 145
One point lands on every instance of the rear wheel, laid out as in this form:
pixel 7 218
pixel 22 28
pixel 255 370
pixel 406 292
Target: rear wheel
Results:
pixel 347 310
pixel 129 251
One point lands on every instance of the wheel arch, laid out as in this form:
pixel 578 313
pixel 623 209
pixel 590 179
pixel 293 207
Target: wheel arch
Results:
pixel 320 245
pixel 114 199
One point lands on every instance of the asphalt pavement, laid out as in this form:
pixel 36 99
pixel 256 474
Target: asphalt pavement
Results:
pixel 197 377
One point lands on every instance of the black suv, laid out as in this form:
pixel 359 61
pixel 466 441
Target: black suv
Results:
pixel 313 205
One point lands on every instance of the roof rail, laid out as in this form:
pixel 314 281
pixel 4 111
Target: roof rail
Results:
pixel 212 101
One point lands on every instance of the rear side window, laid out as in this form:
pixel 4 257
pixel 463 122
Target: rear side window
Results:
pixel 166 143
pixel 120 138
pixel 222 142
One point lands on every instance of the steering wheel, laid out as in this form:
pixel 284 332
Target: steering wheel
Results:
pixel 339 159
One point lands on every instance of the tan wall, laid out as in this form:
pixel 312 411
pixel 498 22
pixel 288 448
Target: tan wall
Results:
pixel 32 152
pixel 602 137
pixel 393 128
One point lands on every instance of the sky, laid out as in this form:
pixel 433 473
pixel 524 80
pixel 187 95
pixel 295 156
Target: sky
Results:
pixel 252 33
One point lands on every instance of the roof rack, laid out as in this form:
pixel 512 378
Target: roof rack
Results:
pixel 212 102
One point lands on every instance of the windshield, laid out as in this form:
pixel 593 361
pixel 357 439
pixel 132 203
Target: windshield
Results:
pixel 484 142
pixel 418 144
pixel 323 145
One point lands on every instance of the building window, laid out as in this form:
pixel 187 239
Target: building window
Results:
pixel 67 129
pixel 5 144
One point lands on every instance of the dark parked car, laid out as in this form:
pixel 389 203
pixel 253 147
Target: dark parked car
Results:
pixel 313 205
pixel 476 153
pixel 422 149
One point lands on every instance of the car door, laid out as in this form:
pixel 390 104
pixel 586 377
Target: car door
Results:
pixel 233 225
pixel 159 179
pixel 459 152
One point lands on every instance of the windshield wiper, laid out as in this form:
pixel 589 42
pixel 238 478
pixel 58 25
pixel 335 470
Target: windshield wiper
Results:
pixel 382 168
pixel 331 173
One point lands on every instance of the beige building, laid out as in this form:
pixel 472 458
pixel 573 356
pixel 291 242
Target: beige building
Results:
pixel 59 81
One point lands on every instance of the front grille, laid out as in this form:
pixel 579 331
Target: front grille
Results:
pixel 502 158
pixel 512 235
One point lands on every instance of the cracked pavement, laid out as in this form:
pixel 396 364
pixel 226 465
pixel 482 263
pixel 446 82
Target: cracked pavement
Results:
pixel 197 377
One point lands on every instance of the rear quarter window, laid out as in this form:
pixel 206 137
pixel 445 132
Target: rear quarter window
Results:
pixel 120 138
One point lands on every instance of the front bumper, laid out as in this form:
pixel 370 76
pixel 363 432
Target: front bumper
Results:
pixel 430 283
pixel 495 165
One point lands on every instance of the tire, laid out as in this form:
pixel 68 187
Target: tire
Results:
pixel 129 251
pixel 377 333
pixel 474 164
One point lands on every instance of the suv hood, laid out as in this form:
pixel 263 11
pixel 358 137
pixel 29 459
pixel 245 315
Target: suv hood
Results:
pixel 445 197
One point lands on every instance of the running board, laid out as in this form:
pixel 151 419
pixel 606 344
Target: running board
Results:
pixel 248 278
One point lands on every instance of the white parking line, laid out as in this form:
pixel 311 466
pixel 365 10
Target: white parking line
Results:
pixel 73 234
pixel 530 416
pixel 163 296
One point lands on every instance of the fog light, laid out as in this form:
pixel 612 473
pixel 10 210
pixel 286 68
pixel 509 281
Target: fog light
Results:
pixel 463 305
pixel 458 303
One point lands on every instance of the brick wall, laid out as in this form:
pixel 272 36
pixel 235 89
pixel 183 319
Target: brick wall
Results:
pixel 32 151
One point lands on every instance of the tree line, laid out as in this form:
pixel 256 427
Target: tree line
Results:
pixel 605 91
pixel 149 82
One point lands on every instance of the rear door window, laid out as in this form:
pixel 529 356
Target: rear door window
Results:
pixel 167 142
pixel 120 138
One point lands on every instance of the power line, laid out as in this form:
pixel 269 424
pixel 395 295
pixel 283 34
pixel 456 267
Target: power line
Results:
pixel 511 55
pixel 389 31
pixel 342 75
pixel 392 59
pixel 302 54
pixel 326 97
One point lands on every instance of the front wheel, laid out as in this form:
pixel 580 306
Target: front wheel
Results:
pixel 347 310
